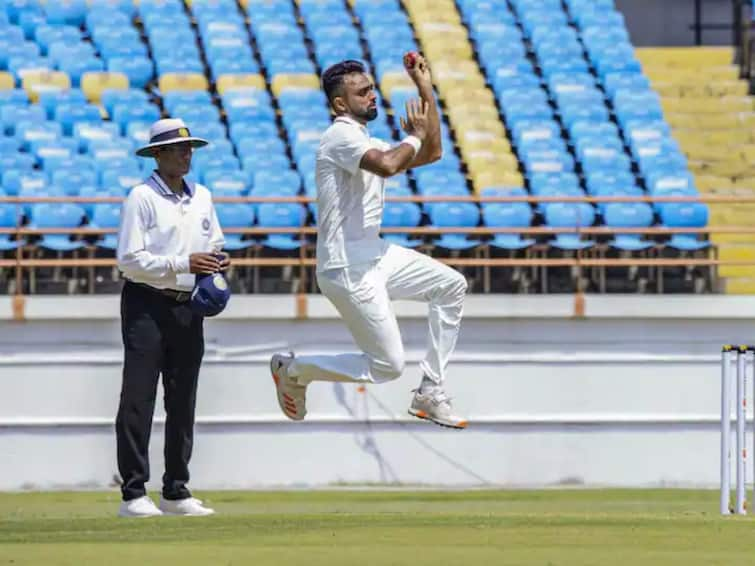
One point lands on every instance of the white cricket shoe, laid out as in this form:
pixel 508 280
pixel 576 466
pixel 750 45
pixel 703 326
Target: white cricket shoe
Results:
pixel 140 507
pixel 292 397
pixel 434 405
pixel 189 507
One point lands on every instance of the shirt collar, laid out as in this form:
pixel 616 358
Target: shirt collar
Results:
pixel 349 120
pixel 157 183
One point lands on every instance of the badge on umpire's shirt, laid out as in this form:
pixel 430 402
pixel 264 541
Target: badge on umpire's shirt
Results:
pixel 206 224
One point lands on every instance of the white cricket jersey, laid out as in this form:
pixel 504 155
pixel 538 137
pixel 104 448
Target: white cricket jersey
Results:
pixel 349 199
pixel 160 229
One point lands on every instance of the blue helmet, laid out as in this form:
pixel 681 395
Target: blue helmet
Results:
pixel 210 295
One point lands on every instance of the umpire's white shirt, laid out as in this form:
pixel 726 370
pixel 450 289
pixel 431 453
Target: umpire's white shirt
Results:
pixel 160 229
pixel 349 199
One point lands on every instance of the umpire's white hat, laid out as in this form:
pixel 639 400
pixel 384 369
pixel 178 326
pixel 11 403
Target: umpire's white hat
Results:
pixel 168 131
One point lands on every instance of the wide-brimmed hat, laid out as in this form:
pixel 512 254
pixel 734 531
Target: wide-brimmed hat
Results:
pixel 166 132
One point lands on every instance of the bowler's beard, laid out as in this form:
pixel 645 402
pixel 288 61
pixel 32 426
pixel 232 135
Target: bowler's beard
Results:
pixel 368 115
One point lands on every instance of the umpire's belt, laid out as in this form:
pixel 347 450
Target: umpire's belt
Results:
pixel 178 296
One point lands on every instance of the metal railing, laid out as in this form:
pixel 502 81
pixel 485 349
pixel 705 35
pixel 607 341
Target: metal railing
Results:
pixel 304 259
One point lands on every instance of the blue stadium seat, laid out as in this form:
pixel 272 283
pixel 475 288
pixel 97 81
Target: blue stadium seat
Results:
pixel 235 215
pixel 569 215
pixel 57 215
pixel 401 215
pixel 10 217
pixel 280 182
pixel 71 12
pixel 71 180
pixel 508 215
pixel 685 215
pixel 455 215
pixel 13 116
pixel 628 215
pixel 45 35
pixel 120 179
pixel 257 162
pixel 17 179
pixel 89 133
pixel 69 114
pixel 123 113
pixel 281 215
pixel 553 181
pixel 104 216
pixel 17 161
pixel 228 183
pixel 139 70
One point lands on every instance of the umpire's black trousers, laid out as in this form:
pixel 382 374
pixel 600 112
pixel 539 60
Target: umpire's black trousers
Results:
pixel 160 336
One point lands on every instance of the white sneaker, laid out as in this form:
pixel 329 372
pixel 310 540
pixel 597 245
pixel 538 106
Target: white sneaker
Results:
pixel 292 397
pixel 434 405
pixel 190 507
pixel 140 507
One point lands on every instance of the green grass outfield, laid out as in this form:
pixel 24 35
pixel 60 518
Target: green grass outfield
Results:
pixel 417 528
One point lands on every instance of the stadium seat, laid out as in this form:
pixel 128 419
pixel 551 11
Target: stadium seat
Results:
pixel 106 216
pixel 57 215
pixel 281 215
pixel 93 84
pixel 628 215
pixel 569 215
pixel 235 215
pixel 402 215
pixel 455 215
pixel 685 215
pixel 34 82
pixel 182 81
pixel 507 215
pixel 10 217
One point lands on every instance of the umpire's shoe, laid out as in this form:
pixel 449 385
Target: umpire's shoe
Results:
pixel 292 397
pixel 140 507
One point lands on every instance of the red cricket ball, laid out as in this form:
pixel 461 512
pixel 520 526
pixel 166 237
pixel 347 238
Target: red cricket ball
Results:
pixel 410 59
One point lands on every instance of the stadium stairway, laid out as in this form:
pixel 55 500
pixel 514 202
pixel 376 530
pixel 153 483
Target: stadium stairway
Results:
pixel 712 118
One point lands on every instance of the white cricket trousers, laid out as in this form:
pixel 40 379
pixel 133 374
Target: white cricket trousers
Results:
pixel 362 294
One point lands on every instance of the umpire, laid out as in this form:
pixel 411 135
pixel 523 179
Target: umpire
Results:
pixel 169 232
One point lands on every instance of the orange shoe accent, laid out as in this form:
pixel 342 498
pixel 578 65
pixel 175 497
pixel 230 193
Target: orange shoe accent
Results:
pixel 421 414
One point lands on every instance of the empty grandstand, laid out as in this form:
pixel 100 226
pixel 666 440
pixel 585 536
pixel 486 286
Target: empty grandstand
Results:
pixel 541 98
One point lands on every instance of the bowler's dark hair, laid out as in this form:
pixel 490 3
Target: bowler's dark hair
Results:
pixel 332 78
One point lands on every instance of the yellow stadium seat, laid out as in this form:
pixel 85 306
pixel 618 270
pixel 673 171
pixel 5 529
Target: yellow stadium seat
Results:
pixel 745 185
pixel 740 286
pixel 224 82
pixel 459 114
pixel 472 146
pixel 447 50
pixel 35 82
pixel 727 88
pixel 476 124
pixel 395 80
pixel 487 160
pixel 432 31
pixel 496 178
pixel 732 137
pixel 710 183
pixel 459 82
pixel 708 153
pixel 667 88
pixel 686 56
pixel 459 96
pixel 92 84
pixel 284 81
pixel 7 81
pixel 182 81
pixel 466 66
